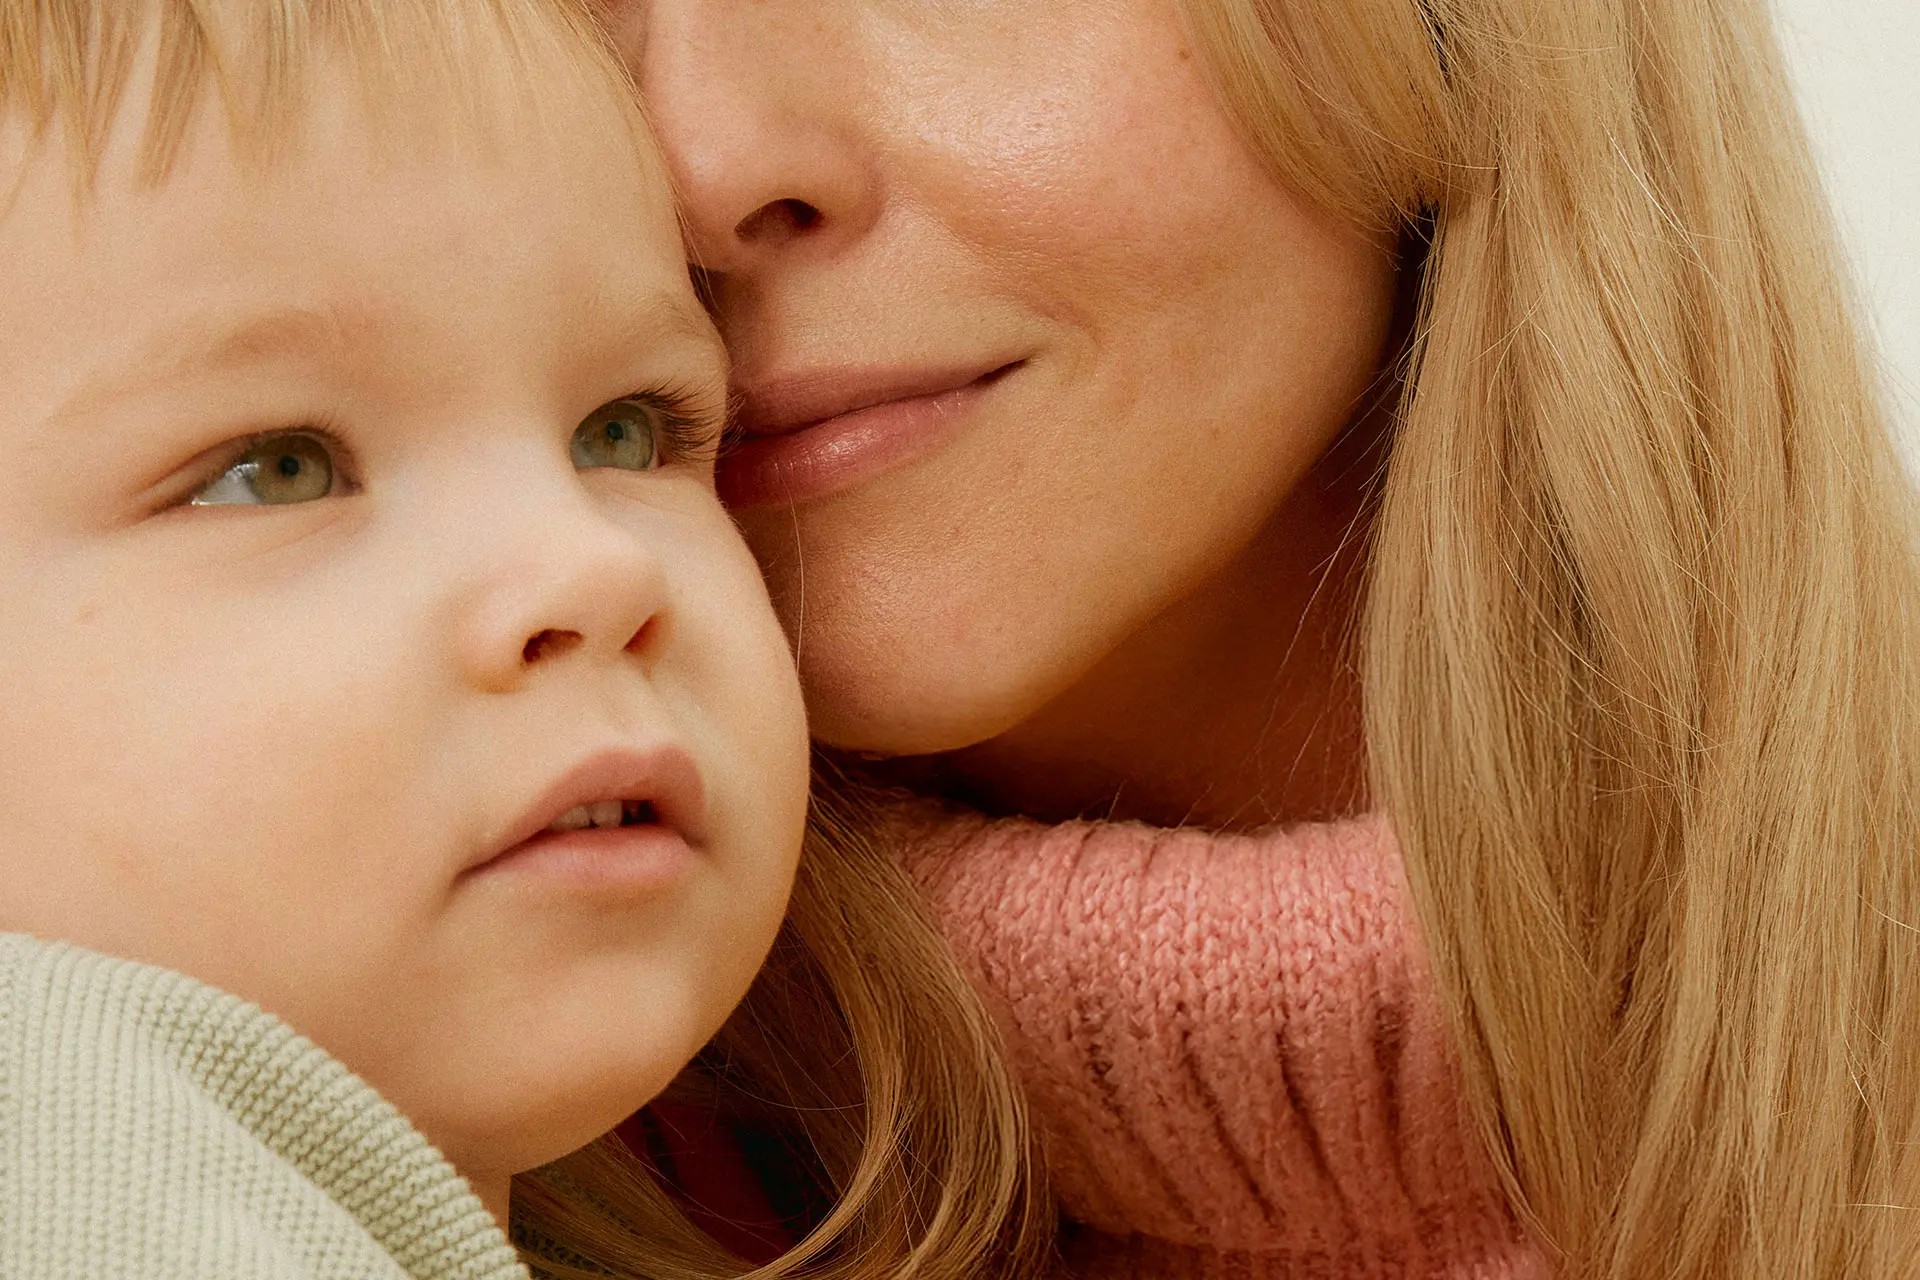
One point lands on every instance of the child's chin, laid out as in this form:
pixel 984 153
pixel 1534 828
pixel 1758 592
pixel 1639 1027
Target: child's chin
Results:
pixel 533 1112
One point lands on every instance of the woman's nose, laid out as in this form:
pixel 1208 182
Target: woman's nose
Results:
pixel 760 119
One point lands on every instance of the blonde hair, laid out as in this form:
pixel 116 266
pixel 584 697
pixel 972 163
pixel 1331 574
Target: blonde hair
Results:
pixel 1639 692
pixel 861 1037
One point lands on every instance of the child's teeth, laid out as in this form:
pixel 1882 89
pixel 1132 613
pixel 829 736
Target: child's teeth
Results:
pixel 601 813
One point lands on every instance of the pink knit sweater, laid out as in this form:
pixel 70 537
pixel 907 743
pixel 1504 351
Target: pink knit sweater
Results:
pixel 1230 1046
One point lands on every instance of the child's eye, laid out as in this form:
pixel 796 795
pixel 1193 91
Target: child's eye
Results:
pixel 293 466
pixel 623 433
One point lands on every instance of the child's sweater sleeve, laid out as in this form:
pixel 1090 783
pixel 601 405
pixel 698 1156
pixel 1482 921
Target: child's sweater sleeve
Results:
pixel 152 1127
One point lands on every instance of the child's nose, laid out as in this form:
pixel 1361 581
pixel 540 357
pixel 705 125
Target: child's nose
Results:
pixel 593 592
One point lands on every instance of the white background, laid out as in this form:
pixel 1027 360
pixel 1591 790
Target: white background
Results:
pixel 1857 65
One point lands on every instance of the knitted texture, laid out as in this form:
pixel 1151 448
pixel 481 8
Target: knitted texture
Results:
pixel 1231 1047
pixel 154 1128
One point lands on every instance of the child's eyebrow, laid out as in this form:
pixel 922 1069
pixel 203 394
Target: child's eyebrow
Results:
pixel 627 321
pixel 222 343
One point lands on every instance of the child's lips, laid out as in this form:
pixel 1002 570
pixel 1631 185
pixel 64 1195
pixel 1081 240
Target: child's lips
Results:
pixel 660 797
pixel 622 862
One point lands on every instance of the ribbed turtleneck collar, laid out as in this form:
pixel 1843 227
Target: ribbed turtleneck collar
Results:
pixel 1230 1044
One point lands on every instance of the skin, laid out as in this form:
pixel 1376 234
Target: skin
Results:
pixel 262 744
pixel 1123 584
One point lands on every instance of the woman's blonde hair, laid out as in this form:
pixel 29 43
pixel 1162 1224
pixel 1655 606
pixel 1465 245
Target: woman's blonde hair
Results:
pixel 861 1038
pixel 1641 585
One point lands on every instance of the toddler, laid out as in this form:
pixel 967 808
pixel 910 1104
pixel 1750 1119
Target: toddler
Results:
pixel 395 725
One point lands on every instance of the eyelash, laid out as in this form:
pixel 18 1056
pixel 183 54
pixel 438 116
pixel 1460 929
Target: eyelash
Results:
pixel 688 433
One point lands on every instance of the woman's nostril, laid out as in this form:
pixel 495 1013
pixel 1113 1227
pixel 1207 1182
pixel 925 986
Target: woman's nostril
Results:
pixel 776 217
pixel 548 644
pixel 800 214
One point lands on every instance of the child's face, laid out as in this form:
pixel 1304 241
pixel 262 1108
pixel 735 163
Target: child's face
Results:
pixel 273 738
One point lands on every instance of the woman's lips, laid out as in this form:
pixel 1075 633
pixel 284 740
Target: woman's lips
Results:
pixel 816 434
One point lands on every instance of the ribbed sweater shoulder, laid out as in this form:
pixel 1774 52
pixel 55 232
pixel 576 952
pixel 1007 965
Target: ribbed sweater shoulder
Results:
pixel 1230 1044
pixel 152 1127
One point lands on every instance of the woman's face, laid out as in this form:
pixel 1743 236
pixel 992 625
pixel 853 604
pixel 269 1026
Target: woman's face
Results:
pixel 1030 345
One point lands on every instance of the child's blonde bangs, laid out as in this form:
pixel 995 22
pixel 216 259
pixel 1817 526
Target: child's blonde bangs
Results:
pixel 72 65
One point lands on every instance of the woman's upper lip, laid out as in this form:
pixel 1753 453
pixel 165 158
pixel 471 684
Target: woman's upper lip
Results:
pixel 786 402
pixel 664 777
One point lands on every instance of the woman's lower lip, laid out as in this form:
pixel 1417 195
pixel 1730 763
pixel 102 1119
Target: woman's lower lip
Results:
pixel 841 452
pixel 627 861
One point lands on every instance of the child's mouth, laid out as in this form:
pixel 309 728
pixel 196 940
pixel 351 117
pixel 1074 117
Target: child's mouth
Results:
pixel 621 821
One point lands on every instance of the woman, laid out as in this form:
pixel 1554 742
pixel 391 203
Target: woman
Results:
pixel 1403 471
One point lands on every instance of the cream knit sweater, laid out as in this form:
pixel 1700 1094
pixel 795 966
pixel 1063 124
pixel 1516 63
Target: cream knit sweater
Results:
pixel 153 1128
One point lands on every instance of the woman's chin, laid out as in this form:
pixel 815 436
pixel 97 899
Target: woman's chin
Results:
pixel 924 703
pixel 906 727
